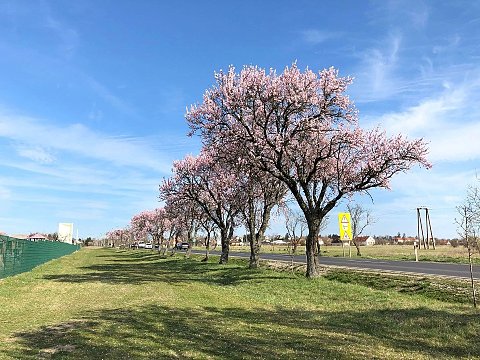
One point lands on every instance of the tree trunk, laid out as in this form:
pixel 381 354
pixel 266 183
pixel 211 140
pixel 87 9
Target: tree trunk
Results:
pixel 254 251
pixel 311 247
pixel 358 248
pixel 225 246
pixel 474 297
pixel 294 251
pixel 207 250
pixel 174 246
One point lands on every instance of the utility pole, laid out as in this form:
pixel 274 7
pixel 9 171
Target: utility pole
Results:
pixel 425 240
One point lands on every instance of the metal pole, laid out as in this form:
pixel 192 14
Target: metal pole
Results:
pixel 431 231
pixel 420 224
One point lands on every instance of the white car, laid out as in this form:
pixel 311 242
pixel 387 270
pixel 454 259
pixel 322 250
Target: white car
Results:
pixel 148 246
pixel 141 245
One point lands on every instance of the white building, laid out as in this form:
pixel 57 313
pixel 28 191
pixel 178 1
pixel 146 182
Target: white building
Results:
pixel 365 240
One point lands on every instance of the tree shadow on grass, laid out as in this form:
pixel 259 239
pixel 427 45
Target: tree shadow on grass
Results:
pixel 160 332
pixel 141 267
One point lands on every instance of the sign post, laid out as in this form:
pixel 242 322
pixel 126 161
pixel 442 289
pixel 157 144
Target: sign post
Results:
pixel 345 227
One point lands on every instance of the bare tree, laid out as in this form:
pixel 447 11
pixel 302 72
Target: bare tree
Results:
pixel 469 229
pixel 296 226
pixel 360 218
pixel 209 228
pixel 323 225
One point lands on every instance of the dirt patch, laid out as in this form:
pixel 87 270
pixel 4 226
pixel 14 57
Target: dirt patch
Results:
pixel 47 353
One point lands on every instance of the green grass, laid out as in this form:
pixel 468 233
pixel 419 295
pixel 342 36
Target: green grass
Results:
pixel 111 304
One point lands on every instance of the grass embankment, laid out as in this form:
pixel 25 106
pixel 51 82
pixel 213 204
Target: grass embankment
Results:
pixel 108 304
pixel 442 253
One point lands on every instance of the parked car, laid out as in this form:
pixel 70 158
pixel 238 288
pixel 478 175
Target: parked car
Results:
pixel 182 246
pixel 148 246
pixel 141 244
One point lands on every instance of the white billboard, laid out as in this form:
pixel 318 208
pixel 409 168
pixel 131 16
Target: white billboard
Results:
pixel 65 232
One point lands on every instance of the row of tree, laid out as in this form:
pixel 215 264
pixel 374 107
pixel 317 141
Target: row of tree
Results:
pixel 269 137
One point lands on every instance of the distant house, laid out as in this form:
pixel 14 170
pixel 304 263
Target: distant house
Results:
pixel 20 236
pixel 37 237
pixel 365 240
pixel 338 242
pixel 403 240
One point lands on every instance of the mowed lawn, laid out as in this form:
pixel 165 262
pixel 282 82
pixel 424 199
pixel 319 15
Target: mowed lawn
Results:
pixel 119 304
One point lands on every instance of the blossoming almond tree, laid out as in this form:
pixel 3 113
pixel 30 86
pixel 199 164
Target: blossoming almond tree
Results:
pixel 119 237
pixel 302 128
pixel 204 181
pixel 187 216
pixel 261 193
pixel 209 228
pixel 151 223
pixel 176 222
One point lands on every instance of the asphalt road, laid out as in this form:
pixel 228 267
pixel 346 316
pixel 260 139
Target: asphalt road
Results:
pixel 413 267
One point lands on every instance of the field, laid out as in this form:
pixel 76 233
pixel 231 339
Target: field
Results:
pixel 118 304
pixel 442 253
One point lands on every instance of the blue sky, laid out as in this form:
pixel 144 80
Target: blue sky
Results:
pixel 93 96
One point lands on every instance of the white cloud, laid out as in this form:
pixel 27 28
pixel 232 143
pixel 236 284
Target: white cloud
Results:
pixel 80 140
pixel 376 73
pixel 440 189
pixel 107 95
pixel 68 36
pixel 450 123
pixel 451 43
pixel 35 153
pixel 76 174
pixel 5 193
pixel 419 15
pixel 314 36
pixel 95 113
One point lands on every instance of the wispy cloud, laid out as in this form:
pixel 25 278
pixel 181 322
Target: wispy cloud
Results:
pixel 315 36
pixel 396 13
pixel 69 37
pixel 39 15
pixel 448 45
pixel 4 192
pixel 108 96
pixel 95 114
pixel 79 139
pixel 82 176
pixel 376 73
pixel 438 189
pixel 450 122
pixel 35 153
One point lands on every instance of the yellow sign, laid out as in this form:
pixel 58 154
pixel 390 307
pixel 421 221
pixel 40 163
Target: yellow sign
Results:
pixel 345 226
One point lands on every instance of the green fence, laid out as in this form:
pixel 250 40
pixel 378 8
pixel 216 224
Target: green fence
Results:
pixel 17 256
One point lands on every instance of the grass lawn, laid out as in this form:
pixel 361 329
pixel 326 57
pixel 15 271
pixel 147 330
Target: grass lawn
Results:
pixel 120 304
